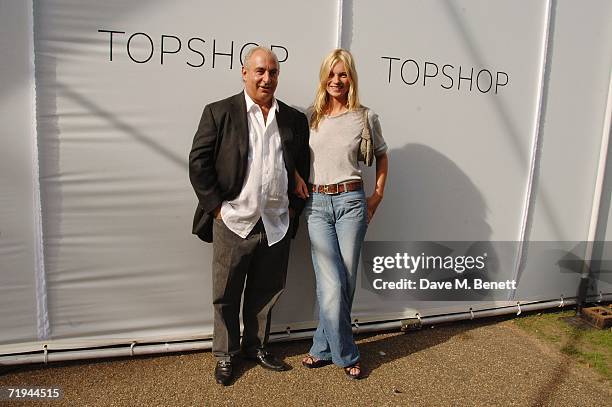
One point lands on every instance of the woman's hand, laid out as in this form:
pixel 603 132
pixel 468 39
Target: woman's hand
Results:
pixel 301 189
pixel 373 202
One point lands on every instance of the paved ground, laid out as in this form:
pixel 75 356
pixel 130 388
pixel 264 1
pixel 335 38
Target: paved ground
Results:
pixel 480 363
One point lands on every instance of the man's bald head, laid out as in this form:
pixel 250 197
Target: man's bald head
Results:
pixel 258 49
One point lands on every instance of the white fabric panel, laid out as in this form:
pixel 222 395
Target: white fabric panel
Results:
pixel 603 245
pixel 577 93
pixel 17 242
pixel 121 260
pixel 459 158
pixel 604 278
pixel 574 116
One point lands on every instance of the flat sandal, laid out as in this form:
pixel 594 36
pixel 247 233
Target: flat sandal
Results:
pixel 352 376
pixel 316 363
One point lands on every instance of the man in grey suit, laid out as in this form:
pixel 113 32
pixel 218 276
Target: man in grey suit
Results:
pixel 242 166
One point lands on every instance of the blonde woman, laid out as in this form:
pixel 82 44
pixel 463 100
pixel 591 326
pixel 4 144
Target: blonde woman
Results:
pixel 337 211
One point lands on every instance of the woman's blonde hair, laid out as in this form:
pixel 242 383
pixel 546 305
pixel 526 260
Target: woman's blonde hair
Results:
pixel 321 102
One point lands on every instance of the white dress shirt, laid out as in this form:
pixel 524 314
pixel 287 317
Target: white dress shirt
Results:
pixel 264 192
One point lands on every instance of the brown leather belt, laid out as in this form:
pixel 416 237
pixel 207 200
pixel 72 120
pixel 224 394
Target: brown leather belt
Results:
pixel 333 189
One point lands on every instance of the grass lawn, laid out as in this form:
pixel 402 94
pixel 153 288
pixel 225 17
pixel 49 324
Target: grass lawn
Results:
pixel 590 346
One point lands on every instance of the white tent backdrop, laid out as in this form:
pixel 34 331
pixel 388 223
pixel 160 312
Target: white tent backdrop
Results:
pixel 494 113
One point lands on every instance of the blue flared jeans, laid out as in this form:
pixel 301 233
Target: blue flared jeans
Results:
pixel 337 225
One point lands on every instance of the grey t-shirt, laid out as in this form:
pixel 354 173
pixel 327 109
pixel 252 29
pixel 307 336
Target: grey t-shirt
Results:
pixel 334 145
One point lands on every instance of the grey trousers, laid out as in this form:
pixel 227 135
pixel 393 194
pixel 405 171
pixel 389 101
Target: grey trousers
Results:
pixel 264 269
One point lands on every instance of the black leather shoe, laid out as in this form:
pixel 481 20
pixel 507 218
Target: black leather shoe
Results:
pixel 224 372
pixel 268 361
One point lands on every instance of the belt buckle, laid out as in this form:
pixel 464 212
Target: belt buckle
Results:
pixel 326 189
